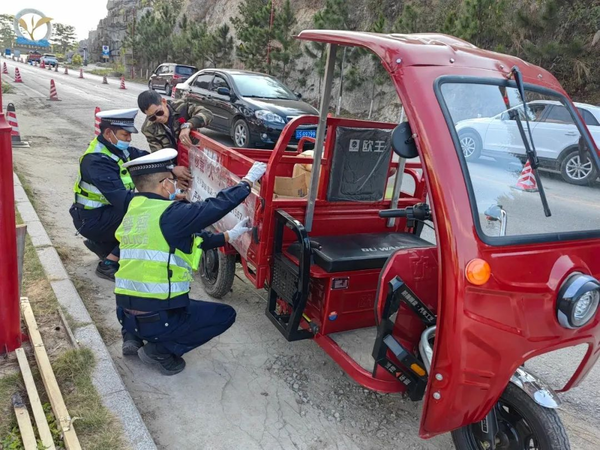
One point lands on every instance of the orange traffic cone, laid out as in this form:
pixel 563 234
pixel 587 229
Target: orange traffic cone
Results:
pixel 97 121
pixel 526 181
pixel 173 92
pixel 18 76
pixel 56 68
pixel 66 70
pixel 42 65
pixel 15 135
pixel 80 73
pixel 4 69
pixel 122 83
pixel 49 66
pixel 53 93
pixel 104 80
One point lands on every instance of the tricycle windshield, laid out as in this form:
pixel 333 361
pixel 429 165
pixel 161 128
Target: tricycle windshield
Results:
pixel 501 139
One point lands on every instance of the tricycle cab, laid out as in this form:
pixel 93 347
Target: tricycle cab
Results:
pixel 511 271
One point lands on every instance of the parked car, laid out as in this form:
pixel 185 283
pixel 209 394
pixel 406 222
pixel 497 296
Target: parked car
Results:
pixel 49 59
pixel 33 57
pixel 554 133
pixel 253 108
pixel 167 76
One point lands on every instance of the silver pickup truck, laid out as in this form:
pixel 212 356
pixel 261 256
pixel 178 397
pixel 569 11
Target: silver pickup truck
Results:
pixel 49 59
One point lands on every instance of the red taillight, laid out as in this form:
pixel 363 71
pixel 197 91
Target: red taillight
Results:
pixel 176 77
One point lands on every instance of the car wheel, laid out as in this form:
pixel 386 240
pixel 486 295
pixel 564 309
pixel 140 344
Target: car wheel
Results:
pixel 240 133
pixel 470 142
pixel 574 171
pixel 168 89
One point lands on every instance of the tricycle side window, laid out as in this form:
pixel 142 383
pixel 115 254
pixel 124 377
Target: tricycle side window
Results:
pixel 501 138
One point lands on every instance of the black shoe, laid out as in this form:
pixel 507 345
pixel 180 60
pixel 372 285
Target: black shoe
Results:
pixel 168 364
pixel 131 346
pixel 106 269
pixel 96 248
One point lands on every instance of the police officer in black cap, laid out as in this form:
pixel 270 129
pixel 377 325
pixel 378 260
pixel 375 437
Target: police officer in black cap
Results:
pixel 104 187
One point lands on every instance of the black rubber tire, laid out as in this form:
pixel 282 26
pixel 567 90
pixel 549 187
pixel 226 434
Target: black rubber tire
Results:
pixel 221 284
pixel 240 122
pixel 544 423
pixel 587 180
pixel 474 135
pixel 168 89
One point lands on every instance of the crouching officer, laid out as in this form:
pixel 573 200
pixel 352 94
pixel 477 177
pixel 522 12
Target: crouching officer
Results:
pixel 161 241
pixel 104 187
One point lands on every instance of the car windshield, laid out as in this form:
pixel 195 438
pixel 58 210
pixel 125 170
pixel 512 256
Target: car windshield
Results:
pixel 183 70
pixel 261 86
pixel 505 194
pixel 50 56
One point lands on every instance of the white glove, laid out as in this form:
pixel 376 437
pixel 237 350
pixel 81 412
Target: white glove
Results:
pixel 257 170
pixel 239 229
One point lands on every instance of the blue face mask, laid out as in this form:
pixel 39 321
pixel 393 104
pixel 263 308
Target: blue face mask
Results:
pixel 121 145
pixel 176 192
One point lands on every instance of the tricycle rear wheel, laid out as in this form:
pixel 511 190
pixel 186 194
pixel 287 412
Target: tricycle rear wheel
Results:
pixel 217 271
pixel 522 423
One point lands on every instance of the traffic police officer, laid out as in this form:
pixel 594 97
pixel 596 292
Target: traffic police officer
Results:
pixel 161 241
pixel 104 187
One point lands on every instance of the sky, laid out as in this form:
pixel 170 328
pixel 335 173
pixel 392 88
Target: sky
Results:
pixel 84 15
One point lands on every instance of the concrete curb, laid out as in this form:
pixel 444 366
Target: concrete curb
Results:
pixel 106 379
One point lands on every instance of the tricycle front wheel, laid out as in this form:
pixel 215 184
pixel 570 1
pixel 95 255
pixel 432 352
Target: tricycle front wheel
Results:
pixel 217 271
pixel 522 425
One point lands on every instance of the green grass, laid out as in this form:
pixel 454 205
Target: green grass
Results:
pixel 7 88
pixel 96 428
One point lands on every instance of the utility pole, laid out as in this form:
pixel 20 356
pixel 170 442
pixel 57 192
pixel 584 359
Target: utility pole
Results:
pixel 270 31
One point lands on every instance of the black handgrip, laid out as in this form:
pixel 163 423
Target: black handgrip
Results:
pixel 387 213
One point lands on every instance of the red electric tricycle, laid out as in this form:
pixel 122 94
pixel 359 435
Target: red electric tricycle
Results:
pixel 431 257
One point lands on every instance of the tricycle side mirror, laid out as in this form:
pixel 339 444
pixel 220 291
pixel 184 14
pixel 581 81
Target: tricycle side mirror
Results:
pixel 403 142
pixel 497 214
pixel 223 91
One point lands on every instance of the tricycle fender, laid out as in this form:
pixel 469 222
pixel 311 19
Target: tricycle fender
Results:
pixel 537 389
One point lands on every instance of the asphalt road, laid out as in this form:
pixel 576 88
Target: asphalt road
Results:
pixel 249 389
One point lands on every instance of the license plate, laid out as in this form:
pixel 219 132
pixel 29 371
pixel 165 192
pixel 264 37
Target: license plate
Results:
pixel 308 133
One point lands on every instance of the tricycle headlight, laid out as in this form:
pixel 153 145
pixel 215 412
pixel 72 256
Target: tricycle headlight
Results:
pixel 578 300
pixel 268 116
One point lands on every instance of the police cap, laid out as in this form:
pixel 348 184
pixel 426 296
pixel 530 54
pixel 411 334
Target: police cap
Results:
pixel 160 161
pixel 122 118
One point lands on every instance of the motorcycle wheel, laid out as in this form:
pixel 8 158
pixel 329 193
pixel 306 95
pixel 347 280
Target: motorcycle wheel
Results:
pixel 522 425
pixel 217 271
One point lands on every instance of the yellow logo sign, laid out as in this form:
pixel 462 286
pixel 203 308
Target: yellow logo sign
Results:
pixel 27 21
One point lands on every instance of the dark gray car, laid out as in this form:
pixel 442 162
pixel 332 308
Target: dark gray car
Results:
pixel 253 108
pixel 167 76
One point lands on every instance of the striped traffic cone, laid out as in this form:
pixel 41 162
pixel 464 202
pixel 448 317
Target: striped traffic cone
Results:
pixel 4 69
pixel 15 135
pixel 18 78
pixel 97 121
pixel 66 70
pixel 49 66
pixel 42 65
pixel 56 68
pixel 80 73
pixel 104 80
pixel 53 93
pixel 526 181
pixel 122 83
pixel 173 92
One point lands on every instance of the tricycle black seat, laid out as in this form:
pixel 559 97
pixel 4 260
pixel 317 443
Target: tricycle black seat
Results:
pixel 358 251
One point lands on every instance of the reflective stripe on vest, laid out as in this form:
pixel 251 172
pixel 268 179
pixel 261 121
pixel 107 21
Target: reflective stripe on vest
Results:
pixel 156 289
pixel 88 195
pixel 154 255
pixel 148 266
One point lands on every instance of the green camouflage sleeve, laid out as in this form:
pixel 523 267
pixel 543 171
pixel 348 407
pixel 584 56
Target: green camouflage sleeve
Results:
pixel 153 141
pixel 199 116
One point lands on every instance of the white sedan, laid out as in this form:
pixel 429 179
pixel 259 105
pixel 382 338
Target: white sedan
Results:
pixel 555 136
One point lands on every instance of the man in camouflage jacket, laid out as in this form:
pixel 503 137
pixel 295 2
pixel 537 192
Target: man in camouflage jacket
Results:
pixel 165 123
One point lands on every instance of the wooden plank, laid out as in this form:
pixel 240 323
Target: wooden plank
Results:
pixel 52 390
pixel 34 400
pixel 63 319
pixel 21 233
pixel 24 422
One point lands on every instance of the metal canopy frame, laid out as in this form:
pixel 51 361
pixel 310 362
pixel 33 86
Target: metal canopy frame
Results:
pixel 320 140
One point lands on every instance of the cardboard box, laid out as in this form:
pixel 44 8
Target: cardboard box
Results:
pixel 294 187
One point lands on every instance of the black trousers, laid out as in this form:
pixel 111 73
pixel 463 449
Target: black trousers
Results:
pixel 98 225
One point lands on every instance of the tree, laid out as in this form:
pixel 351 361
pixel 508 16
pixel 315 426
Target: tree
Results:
pixel 63 37
pixel 7 33
pixel 255 34
pixel 379 74
pixel 287 48
pixel 219 47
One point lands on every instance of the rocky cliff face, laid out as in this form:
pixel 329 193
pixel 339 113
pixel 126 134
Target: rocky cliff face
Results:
pixel 112 29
